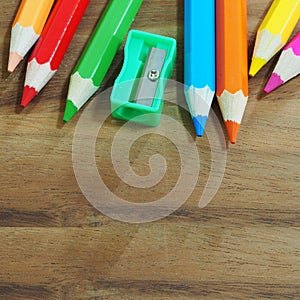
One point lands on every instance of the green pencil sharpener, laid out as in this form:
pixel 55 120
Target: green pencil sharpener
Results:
pixel 138 91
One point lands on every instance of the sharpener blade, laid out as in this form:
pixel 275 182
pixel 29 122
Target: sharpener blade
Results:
pixel 150 77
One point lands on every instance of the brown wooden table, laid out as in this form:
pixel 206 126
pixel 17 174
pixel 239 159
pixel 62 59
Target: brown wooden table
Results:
pixel 55 245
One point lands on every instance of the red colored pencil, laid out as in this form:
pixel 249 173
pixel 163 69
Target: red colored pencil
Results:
pixel 52 45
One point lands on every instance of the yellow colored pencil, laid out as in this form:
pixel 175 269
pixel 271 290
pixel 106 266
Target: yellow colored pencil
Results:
pixel 26 28
pixel 274 31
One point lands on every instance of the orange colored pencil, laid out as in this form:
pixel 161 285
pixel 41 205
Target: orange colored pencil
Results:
pixel 232 62
pixel 26 28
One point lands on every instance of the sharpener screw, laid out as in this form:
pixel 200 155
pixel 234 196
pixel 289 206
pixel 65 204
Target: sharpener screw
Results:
pixel 153 75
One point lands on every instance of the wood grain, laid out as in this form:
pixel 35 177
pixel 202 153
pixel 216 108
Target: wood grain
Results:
pixel 54 245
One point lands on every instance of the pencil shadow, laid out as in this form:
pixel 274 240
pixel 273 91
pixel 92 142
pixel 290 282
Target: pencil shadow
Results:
pixel 183 111
pixel 19 73
pixel 216 109
pixel 6 40
pixel 114 70
pixel 261 95
pixel 251 44
pixel 179 64
pixel 269 68
pixel 63 96
pixel 180 42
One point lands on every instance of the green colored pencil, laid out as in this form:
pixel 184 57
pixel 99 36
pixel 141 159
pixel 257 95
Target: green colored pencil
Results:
pixel 99 53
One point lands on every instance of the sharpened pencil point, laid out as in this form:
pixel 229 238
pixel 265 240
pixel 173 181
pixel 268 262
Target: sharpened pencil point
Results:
pixel 274 82
pixel 70 111
pixel 199 124
pixel 256 64
pixel 28 94
pixel 13 61
pixel 232 130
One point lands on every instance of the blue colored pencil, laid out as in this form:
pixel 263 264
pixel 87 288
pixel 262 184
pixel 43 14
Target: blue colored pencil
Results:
pixel 199 59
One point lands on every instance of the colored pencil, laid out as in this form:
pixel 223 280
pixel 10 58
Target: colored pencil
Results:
pixel 26 29
pixel 199 59
pixel 274 32
pixel 288 65
pixel 52 45
pixel 232 59
pixel 99 53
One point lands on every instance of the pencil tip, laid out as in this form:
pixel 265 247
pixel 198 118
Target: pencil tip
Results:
pixel 199 124
pixel 274 82
pixel 28 94
pixel 70 111
pixel 256 64
pixel 13 60
pixel 232 130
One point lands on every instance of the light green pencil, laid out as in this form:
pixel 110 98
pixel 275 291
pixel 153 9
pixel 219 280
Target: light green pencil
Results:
pixel 99 53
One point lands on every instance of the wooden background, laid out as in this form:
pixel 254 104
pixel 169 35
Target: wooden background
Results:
pixel 54 245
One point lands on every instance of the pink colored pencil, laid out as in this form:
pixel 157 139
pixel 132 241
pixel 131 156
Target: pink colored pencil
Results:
pixel 288 65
